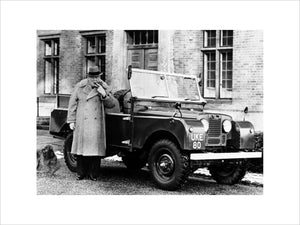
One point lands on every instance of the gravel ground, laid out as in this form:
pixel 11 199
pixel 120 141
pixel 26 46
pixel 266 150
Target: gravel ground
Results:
pixel 115 179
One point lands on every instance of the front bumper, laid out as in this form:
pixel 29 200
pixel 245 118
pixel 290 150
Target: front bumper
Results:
pixel 228 155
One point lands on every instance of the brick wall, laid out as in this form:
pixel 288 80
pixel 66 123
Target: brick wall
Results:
pixel 118 60
pixel 187 54
pixel 248 69
pixel 71 61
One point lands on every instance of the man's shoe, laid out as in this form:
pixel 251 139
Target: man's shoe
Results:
pixel 92 178
pixel 80 177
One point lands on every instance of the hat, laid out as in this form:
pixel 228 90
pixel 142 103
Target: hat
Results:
pixel 93 71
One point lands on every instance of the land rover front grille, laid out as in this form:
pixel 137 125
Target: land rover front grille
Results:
pixel 213 141
pixel 214 127
pixel 214 135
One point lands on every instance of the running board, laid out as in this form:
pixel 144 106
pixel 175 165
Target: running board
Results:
pixel 229 155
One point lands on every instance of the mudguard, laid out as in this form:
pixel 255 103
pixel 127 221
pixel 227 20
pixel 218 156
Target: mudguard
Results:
pixel 242 135
pixel 146 126
pixel 58 122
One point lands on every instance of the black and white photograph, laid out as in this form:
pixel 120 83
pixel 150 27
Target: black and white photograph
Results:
pixel 150 112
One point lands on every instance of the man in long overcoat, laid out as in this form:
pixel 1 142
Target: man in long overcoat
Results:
pixel 86 117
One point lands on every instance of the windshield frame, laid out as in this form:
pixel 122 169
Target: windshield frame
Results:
pixel 164 98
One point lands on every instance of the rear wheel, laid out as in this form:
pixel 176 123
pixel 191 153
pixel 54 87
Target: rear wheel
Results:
pixel 70 158
pixel 169 168
pixel 227 173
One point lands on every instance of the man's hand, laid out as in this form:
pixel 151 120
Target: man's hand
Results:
pixel 72 126
pixel 101 90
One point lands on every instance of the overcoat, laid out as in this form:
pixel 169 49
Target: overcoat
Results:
pixel 86 110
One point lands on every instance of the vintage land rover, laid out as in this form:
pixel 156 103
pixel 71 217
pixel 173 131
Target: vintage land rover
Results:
pixel 162 123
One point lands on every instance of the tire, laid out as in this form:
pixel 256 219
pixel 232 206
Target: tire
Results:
pixel 133 162
pixel 227 173
pixel 169 168
pixel 70 159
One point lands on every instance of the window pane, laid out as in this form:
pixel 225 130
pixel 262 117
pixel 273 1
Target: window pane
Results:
pixel 101 65
pixel 213 83
pixel 91 45
pixel 213 42
pixel 101 44
pixel 144 37
pixel 137 38
pixel 150 36
pixel 229 84
pixel 227 37
pixel 213 56
pixel 229 55
pixel 224 75
pixel 56 47
pixel 129 37
pixel 48 49
pixel 224 65
pixel 229 65
pixel 209 83
pixel 90 62
pixel 55 76
pixel 213 66
pixel 223 84
pixel 210 35
pixel 155 36
pixel 48 77
pixel 213 75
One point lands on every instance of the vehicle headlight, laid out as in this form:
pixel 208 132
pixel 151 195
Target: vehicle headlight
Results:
pixel 227 126
pixel 205 124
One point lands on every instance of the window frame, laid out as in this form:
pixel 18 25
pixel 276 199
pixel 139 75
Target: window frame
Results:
pixel 143 50
pixel 132 45
pixel 98 55
pixel 219 50
pixel 206 38
pixel 51 58
pixel 221 39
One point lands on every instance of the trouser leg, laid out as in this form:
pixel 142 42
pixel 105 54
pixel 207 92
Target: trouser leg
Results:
pixel 81 165
pixel 94 168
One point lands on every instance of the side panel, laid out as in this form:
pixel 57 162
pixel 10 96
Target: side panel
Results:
pixel 145 126
pixel 118 129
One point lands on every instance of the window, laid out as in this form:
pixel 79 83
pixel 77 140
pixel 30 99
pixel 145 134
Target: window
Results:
pixel 210 38
pixel 95 52
pixel 142 37
pixel 226 38
pixel 142 46
pixel 218 71
pixel 226 69
pixel 211 69
pixel 51 65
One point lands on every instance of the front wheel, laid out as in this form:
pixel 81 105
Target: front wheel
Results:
pixel 169 168
pixel 70 158
pixel 227 173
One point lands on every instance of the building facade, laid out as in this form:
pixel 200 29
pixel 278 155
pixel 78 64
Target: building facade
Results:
pixel 228 62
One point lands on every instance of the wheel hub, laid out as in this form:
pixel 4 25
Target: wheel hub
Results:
pixel 165 164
